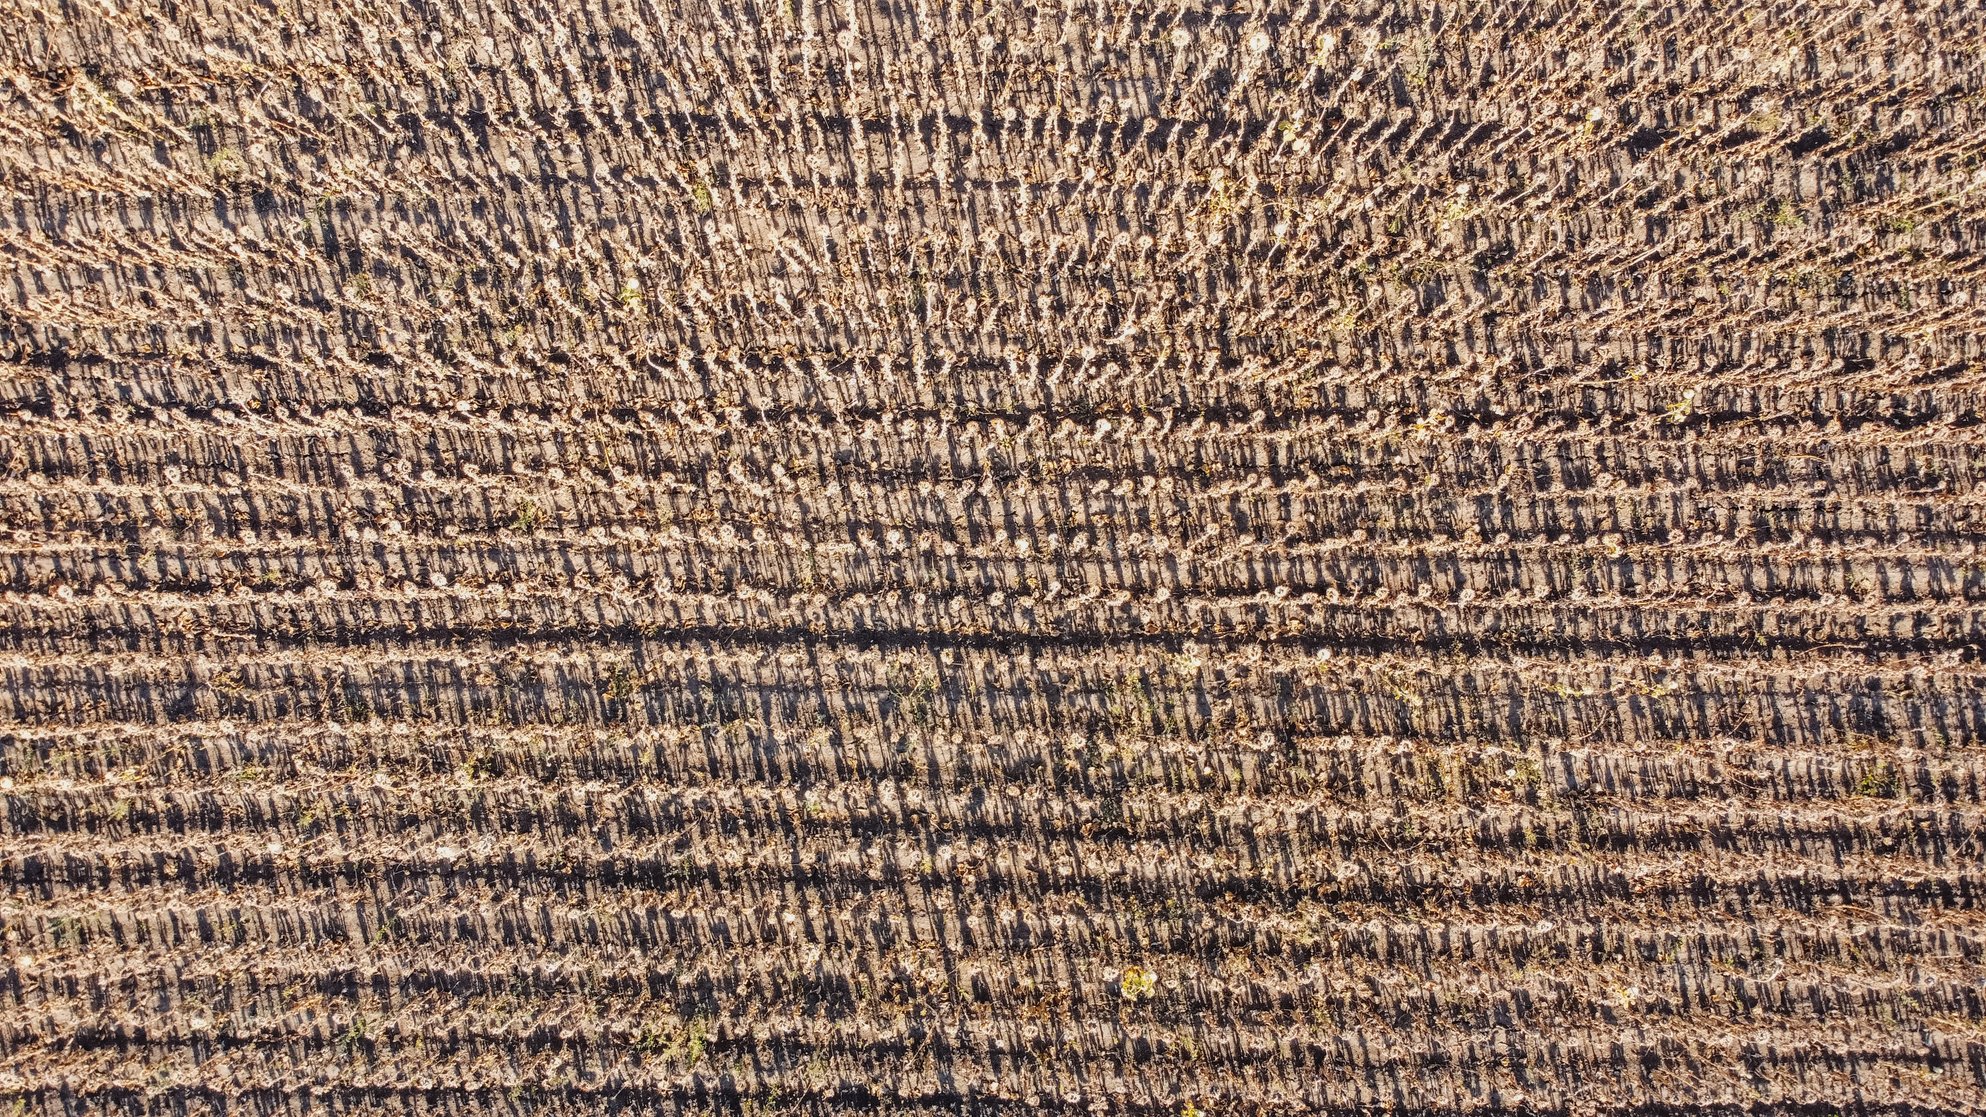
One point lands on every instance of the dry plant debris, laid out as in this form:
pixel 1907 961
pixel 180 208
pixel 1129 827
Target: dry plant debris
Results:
pixel 909 556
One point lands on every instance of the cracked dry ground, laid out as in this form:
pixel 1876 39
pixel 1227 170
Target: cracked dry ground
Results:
pixel 916 557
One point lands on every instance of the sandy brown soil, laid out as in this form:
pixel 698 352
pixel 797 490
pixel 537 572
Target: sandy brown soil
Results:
pixel 929 557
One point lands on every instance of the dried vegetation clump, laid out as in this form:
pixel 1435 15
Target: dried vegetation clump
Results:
pixel 930 557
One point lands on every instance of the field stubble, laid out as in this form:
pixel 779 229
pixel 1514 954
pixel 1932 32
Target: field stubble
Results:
pixel 902 557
